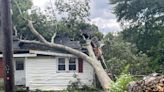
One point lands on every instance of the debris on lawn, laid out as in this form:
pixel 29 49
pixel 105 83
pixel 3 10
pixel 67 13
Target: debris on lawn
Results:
pixel 151 83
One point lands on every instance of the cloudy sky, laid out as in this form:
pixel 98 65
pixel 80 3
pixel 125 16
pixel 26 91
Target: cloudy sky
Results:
pixel 101 15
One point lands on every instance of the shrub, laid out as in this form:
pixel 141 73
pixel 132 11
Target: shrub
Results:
pixel 121 83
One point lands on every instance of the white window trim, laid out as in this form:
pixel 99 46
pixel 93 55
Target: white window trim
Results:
pixel 67 66
pixel 76 62
pixel 58 65
pixel 21 60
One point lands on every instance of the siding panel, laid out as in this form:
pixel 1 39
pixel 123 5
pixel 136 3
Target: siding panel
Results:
pixel 41 73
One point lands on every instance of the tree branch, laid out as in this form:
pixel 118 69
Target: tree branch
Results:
pixel 59 46
pixel 20 11
pixel 33 30
pixel 18 7
pixel 53 37
pixel 16 31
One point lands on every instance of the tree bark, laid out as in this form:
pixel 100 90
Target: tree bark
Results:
pixel 100 72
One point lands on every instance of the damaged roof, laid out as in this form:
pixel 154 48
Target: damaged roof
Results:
pixel 21 46
pixel 65 40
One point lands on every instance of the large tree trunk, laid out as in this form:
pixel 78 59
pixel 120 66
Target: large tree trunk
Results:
pixel 99 70
pixel 104 79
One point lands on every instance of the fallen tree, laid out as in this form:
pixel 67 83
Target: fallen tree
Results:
pixel 104 79
pixel 102 76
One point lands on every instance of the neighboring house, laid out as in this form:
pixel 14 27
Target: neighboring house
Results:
pixel 40 67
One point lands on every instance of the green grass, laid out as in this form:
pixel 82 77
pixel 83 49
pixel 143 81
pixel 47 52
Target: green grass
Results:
pixel 1 89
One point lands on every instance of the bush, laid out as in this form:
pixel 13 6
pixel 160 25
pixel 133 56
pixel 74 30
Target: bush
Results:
pixel 121 83
pixel 78 86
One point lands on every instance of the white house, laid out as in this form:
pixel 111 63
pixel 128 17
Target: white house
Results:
pixel 39 67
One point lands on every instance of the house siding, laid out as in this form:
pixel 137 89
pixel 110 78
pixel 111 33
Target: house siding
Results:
pixel 41 73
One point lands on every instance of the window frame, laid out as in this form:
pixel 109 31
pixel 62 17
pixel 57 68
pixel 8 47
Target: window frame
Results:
pixel 67 65
pixel 75 64
pixel 18 63
pixel 58 64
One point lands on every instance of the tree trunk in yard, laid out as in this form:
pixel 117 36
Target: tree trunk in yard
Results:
pixel 104 79
pixel 101 74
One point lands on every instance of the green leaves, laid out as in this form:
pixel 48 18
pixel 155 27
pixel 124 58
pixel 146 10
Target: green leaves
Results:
pixel 145 19
pixel 73 15
pixel 121 83
pixel 120 54
pixel 137 10
pixel 74 10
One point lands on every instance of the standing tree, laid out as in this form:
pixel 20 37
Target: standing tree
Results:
pixel 143 25
pixel 123 56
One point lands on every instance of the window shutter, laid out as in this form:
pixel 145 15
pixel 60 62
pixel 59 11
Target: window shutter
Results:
pixel 80 65
pixel 1 68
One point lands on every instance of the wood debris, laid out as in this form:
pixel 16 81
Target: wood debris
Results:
pixel 152 83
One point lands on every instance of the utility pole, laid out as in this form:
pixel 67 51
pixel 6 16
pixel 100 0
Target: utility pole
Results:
pixel 6 28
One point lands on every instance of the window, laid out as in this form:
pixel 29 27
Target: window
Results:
pixel 67 64
pixel 61 64
pixel 72 64
pixel 19 65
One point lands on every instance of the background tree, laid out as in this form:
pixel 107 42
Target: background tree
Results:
pixel 143 23
pixel 43 23
pixel 121 55
pixel 46 22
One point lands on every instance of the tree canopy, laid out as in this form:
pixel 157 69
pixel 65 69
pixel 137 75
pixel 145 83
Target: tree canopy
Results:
pixel 143 25
pixel 122 56
pixel 46 22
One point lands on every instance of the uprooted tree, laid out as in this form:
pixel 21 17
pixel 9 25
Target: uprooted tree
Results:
pixel 103 78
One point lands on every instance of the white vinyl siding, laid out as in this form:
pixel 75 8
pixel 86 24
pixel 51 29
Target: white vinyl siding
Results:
pixel 41 73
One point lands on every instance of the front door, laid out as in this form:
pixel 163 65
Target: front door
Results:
pixel 19 72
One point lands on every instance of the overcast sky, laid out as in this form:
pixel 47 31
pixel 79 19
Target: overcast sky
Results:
pixel 101 15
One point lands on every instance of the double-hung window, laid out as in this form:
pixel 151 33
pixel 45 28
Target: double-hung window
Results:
pixel 72 64
pixel 68 64
pixel 61 64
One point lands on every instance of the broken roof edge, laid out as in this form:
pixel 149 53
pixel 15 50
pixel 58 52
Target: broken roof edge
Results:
pixel 21 55
pixel 35 53
pixel 50 53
